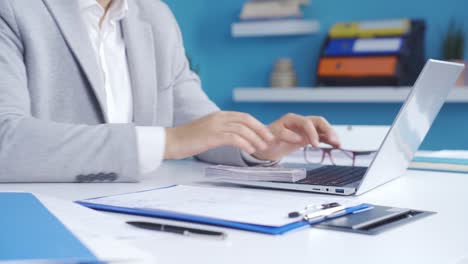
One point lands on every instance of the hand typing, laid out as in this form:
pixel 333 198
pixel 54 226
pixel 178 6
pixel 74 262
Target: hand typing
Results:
pixel 245 132
pixel 218 129
pixel 294 131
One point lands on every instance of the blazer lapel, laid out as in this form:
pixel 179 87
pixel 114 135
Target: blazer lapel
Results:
pixel 67 16
pixel 139 41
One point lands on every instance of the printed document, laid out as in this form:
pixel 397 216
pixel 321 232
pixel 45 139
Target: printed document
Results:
pixel 240 205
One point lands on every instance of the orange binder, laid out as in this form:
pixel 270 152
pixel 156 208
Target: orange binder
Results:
pixel 355 67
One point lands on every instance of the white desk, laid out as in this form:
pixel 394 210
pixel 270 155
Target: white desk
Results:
pixel 442 238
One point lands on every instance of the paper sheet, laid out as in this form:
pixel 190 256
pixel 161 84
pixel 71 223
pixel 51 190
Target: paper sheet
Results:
pixel 446 154
pixel 106 237
pixel 277 174
pixel 240 205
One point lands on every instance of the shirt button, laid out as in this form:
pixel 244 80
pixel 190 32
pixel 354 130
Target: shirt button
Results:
pixel 80 178
pixel 113 176
pixel 101 176
pixel 92 177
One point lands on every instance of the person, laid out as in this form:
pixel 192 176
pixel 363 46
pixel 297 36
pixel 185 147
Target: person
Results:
pixel 101 90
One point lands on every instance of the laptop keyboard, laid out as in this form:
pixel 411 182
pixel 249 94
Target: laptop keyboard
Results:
pixel 334 176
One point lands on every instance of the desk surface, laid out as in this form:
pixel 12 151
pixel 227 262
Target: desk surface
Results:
pixel 442 238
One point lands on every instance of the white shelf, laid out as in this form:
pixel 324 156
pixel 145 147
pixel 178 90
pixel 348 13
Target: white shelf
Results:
pixel 335 95
pixel 275 28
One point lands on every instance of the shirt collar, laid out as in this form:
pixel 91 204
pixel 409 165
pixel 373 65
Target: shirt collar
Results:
pixel 85 4
pixel 118 10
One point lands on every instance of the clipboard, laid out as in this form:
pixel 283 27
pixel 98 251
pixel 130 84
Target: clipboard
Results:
pixel 294 224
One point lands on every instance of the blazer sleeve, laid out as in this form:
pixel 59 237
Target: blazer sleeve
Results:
pixel 191 102
pixel 34 150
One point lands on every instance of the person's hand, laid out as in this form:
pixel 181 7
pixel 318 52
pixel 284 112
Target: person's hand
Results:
pixel 218 129
pixel 293 131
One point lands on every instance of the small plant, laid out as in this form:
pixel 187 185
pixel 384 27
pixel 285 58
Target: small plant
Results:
pixel 454 43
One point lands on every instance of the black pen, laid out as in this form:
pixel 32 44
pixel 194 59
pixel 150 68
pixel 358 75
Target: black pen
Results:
pixel 181 230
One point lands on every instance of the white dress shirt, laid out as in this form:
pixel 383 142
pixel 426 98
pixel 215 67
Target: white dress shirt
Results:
pixel 109 47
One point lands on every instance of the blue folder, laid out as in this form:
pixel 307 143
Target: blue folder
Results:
pixel 30 232
pixel 442 164
pixel 347 47
pixel 272 230
pixel 453 161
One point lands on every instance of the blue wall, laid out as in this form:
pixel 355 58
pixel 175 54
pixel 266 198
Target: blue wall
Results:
pixel 226 62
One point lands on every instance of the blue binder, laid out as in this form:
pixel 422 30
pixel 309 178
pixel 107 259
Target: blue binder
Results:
pixel 272 230
pixel 365 47
pixel 30 232
pixel 453 165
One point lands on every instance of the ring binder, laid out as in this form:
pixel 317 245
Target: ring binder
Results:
pixel 378 53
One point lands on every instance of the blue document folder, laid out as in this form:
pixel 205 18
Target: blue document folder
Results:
pixel 198 219
pixel 29 232
pixel 179 216
pixel 365 47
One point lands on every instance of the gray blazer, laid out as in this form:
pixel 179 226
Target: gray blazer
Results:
pixel 52 101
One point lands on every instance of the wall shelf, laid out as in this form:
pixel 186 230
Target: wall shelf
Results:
pixel 286 27
pixel 334 95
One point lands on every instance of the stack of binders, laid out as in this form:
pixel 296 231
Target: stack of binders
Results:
pixel 372 53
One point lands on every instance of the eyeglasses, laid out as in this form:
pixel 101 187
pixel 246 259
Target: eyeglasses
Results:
pixel 340 157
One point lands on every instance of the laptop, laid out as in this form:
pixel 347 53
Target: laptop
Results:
pixel 398 148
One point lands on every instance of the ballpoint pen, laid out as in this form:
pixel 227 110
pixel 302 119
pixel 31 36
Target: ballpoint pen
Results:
pixel 323 213
pixel 336 212
pixel 312 207
pixel 181 230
